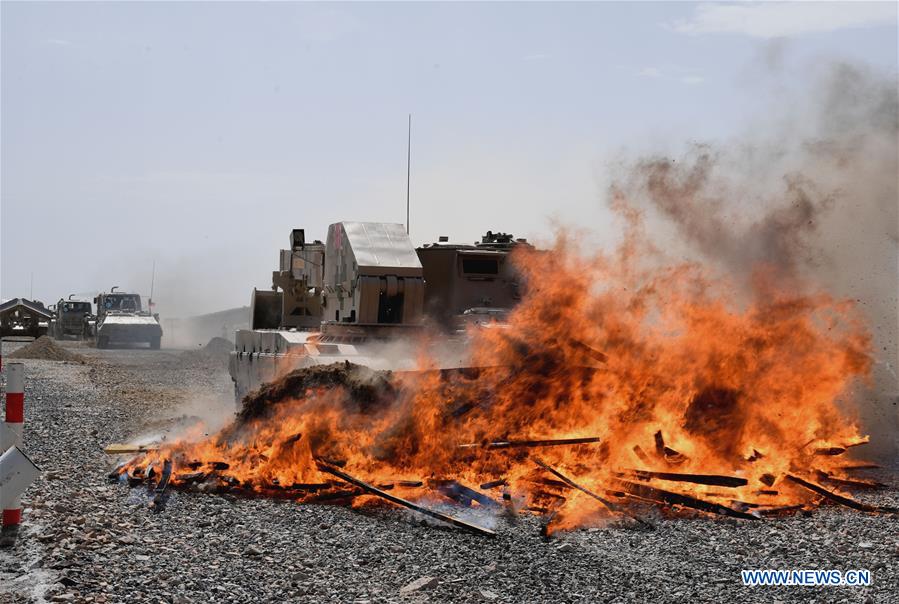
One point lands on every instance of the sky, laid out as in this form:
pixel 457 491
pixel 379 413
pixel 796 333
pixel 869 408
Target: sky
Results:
pixel 196 135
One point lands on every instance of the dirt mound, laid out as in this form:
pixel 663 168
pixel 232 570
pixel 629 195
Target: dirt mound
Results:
pixel 365 388
pixel 215 353
pixel 46 349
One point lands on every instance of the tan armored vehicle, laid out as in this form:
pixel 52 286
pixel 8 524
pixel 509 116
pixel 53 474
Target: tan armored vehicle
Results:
pixel 470 283
pixel 364 296
pixel 121 320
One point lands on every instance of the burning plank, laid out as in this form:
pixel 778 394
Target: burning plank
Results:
pixel 641 454
pixel 160 498
pixel 478 530
pixel 669 497
pixel 457 491
pixel 709 479
pixel 849 483
pixel 524 444
pixel 839 450
pixel 830 451
pixel 861 466
pixel 612 507
pixel 493 484
pixel 667 453
pixel 842 500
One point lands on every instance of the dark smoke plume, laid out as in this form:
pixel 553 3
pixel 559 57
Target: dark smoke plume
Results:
pixel 810 195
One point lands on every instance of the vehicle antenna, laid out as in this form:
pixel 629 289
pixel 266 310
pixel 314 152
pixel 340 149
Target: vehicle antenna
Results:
pixel 408 169
pixel 152 283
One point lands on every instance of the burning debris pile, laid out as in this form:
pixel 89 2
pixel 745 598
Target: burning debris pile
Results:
pixel 613 390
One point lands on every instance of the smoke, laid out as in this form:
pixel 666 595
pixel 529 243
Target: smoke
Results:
pixel 809 196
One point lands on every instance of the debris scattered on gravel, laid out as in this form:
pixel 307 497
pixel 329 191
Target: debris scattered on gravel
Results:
pixel 45 348
pixel 420 584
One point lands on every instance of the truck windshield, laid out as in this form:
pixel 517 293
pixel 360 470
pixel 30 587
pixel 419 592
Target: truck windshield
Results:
pixel 77 307
pixel 125 303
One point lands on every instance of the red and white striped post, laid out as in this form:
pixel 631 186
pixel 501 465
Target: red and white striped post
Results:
pixel 15 418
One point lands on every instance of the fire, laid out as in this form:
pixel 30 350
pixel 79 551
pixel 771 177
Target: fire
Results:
pixel 674 370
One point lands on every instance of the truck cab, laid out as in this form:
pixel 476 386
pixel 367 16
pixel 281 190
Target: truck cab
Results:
pixel 121 319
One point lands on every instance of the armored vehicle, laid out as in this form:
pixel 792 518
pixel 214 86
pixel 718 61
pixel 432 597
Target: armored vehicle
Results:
pixel 73 317
pixel 364 296
pixel 466 284
pixel 121 320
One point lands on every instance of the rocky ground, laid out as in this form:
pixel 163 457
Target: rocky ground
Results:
pixel 86 540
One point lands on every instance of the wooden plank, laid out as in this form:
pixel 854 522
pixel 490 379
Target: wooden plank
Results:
pixel 667 453
pixel 493 484
pixel 709 479
pixel 642 455
pixel 456 490
pixel 836 498
pixel 478 530
pixel 611 506
pixel 122 449
pixel 831 451
pixel 524 444
pixel 669 497
pixel 848 483
pixel 161 496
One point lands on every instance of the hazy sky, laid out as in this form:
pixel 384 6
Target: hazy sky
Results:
pixel 199 134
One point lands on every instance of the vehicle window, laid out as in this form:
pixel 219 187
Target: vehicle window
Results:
pixel 480 266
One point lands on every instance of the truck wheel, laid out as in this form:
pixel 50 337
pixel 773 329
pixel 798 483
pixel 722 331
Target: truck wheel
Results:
pixel 102 342
pixel 154 343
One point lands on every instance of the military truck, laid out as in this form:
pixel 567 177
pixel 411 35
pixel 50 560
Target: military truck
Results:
pixel 122 320
pixel 72 317
pixel 364 296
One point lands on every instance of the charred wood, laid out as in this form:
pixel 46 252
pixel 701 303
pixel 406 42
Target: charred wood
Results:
pixel 849 483
pixel 667 453
pixel 830 451
pixel 611 506
pixel 328 469
pixel 709 479
pixel 861 466
pixel 523 444
pixel 768 479
pixel 836 498
pixel 641 454
pixel 161 496
pixel 672 498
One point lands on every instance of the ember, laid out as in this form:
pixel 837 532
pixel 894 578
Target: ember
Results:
pixel 634 386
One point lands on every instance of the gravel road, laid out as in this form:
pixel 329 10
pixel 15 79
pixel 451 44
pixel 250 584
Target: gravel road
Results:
pixel 85 540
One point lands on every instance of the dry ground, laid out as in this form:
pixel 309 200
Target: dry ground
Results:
pixel 85 540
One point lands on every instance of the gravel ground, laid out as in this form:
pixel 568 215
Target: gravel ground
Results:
pixel 85 540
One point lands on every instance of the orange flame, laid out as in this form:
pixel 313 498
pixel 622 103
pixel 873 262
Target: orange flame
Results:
pixel 658 362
